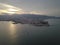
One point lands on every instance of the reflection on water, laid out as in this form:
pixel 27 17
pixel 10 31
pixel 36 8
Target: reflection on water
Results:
pixel 12 29
pixel 7 33
pixel 12 32
pixel 18 34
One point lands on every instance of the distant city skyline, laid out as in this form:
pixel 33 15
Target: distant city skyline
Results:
pixel 45 7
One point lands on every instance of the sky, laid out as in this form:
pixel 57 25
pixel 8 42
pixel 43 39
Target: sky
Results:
pixel 45 7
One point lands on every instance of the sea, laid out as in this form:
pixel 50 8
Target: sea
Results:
pixel 26 34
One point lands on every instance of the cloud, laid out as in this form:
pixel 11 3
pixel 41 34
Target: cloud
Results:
pixel 9 9
pixel 37 12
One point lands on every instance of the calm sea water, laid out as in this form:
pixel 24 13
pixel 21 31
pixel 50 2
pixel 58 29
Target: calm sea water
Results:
pixel 22 34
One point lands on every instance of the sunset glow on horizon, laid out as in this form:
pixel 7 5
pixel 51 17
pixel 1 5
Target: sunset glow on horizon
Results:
pixel 9 9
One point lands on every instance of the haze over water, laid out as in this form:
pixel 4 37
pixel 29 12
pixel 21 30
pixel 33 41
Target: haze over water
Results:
pixel 22 34
pixel 25 34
